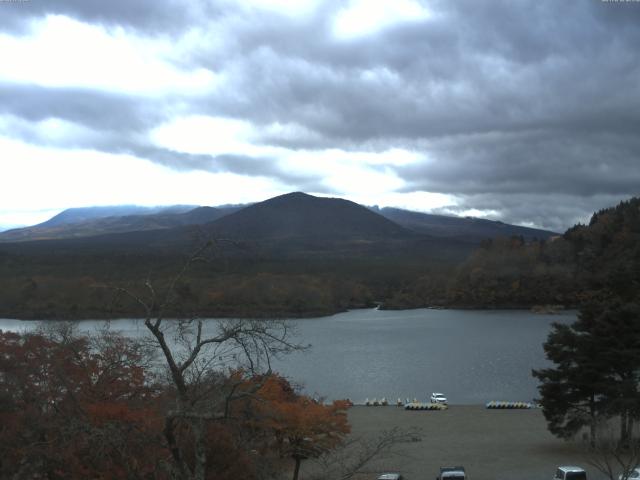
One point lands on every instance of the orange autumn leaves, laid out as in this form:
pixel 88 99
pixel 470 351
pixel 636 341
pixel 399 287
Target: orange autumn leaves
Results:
pixel 74 408
pixel 90 407
pixel 301 426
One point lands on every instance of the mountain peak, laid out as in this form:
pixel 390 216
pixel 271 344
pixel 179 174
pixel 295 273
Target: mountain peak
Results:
pixel 299 214
pixel 292 197
pixel 295 195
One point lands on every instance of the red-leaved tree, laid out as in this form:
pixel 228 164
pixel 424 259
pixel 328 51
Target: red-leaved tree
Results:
pixel 76 407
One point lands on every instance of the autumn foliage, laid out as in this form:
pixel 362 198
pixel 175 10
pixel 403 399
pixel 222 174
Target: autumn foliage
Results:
pixel 301 427
pixel 72 408
pixel 92 407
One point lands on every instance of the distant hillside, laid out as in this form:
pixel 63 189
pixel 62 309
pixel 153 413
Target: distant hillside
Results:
pixel 467 229
pixel 298 255
pixel 76 223
pixel 294 225
pixel 298 215
pixel 294 255
pixel 293 215
pixel 78 215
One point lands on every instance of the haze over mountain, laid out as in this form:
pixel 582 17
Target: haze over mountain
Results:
pixel 78 215
pixel 420 103
pixel 466 229
pixel 88 222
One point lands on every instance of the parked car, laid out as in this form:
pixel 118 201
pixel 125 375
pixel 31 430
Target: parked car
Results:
pixel 634 474
pixel 452 473
pixel 570 473
pixel 390 476
pixel 438 398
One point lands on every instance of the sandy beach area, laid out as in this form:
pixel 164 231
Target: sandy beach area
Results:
pixel 490 444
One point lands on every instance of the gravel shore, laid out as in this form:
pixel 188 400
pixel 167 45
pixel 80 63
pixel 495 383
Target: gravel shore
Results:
pixel 490 444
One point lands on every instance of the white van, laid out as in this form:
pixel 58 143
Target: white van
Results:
pixel 452 473
pixel 570 473
pixel 633 475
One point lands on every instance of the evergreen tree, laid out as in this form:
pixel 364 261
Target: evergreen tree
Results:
pixel 614 327
pixel 571 391
pixel 596 373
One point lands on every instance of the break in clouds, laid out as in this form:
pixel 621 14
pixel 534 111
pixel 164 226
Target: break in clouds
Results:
pixel 527 112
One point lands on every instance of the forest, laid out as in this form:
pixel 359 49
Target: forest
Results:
pixel 186 402
pixel 244 282
pixel 563 271
pixel 74 406
pixel 592 387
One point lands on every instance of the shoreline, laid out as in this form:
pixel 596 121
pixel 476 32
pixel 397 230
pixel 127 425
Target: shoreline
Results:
pixel 105 318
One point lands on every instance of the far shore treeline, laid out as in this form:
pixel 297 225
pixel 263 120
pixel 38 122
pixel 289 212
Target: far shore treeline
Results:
pixel 298 255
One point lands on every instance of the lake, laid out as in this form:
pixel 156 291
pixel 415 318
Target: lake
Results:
pixel 471 356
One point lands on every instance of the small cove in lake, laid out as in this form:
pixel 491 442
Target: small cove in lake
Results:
pixel 472 356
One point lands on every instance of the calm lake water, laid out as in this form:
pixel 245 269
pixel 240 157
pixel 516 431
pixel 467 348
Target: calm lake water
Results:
pixel 471 356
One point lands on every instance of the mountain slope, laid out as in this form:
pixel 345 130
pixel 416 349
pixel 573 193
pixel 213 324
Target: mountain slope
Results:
pixel 71 224
pixel 79 215
pixel 329 256
pixel 293 215
pixel 298 215
pixel 469 229
pixel 294 225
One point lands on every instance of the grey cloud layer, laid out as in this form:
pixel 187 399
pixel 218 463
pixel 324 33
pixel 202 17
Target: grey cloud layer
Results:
pixel 109 112
pixel 119 123
pixel 156 16
pixel 511 102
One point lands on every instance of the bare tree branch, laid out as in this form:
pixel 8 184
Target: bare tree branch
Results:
pixel 359 453
pixel 203 393
pixel 612 457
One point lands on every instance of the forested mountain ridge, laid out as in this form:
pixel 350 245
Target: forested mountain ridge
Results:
pixel 306 273
pixel 562 271
pixel 100 221
pixel 288 225
pixel 292 255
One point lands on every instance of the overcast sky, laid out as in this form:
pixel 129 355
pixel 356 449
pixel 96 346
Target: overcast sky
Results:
pixel 526 112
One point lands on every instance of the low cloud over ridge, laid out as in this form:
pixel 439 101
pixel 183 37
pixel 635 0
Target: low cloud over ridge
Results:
pixel 527 113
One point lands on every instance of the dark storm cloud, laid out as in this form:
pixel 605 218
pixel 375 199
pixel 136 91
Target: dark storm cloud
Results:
pixel 527 109
pixel 504 99
pixel 543 162
pixel 556 213
pixel 116 123
pixel 480 68
pixel 237 164
pixel 98 110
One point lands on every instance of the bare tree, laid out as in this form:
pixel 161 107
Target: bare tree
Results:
pixel 357 454
pixel 611 456
pixel 196 355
